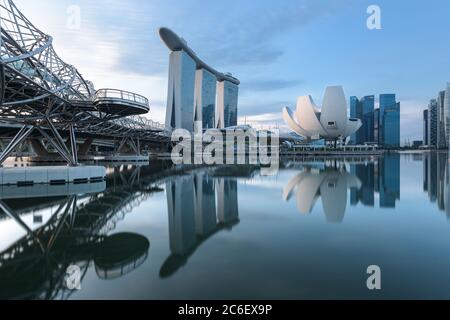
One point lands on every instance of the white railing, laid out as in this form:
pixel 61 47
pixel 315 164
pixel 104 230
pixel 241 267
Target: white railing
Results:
pixel 122 95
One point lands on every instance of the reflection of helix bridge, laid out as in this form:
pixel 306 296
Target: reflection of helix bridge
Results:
pixel 43 95
pixel 79 233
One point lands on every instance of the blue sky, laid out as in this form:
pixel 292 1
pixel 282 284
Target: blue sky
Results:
pixel 278 49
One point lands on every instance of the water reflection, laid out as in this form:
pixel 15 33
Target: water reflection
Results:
pixel 436 180
pixel 200 205
pixel 331 180
pixel 329 183
pixel 381 176
pixel 53 227
pixel 75 226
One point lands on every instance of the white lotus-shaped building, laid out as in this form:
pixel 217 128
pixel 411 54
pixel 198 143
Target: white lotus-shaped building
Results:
pixel 330 123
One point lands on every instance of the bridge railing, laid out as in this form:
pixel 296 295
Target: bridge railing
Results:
pixel 103 94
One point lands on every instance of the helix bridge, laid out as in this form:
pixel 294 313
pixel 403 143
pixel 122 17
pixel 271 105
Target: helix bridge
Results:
pixel 46 98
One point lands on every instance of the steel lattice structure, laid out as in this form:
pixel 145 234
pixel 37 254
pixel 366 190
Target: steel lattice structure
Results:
pixel 41 92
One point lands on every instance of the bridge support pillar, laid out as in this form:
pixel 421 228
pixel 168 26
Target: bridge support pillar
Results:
pixel 134 146
pixel 84 148
pixel 20 137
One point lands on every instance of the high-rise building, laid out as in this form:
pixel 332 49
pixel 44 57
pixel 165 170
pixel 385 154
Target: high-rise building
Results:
pixel 447 112
pixel 205 98
pixel 382 125
pixel 425 128
pixel 433 123
pixel 227 104
pixel 180 101
pixel 442 141
pixel 368 109
pixel 391 127
pixel 377 126
pixel 356 113
pixel 386 101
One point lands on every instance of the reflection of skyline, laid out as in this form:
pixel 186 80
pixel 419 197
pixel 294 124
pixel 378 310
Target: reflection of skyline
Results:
pixel 200 205
pixel 436 179
pixel 331 181
pixel 382 177
pixel 331 184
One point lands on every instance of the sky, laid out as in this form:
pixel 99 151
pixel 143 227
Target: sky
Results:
pixel 278 49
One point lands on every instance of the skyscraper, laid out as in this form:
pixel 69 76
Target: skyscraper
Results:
pixel 425 127
pixel 382 125
pixel 377 126
pixel 447 112
pixel 368 110
pixel 442 141
pixel 180 101
pixel 386 101
pixel 205 98
pixel 356 113
pixel 433 123
pixel 227 104
pixel 391 127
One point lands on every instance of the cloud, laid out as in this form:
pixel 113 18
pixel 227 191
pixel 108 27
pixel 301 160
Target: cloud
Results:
pixel 270 85
pixel 264 121
pixel 257 106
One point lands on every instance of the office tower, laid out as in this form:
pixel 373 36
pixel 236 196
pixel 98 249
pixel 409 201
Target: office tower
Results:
pixel 441 137
pixel 368 110
pixel 447 112
pixel 227 104
pixel 389 136
pixel 433 123
pixel 386 101
pixel 180 101
pixel 391 127
pixel 356 113
pixel 425 128
pixel 376 133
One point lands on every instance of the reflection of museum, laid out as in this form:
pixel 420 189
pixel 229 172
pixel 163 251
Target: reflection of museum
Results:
pixel 332 182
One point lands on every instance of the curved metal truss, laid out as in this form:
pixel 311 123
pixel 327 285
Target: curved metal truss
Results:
pixel 41 91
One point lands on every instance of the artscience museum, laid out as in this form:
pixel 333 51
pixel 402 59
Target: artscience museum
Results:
pixel 331 122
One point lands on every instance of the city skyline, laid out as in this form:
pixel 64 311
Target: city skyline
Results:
pixel 408 68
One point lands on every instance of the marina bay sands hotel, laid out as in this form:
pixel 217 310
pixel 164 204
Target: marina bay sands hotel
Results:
pixel 197 93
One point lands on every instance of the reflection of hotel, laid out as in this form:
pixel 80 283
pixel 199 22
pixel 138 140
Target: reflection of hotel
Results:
pixel 199 206
pixel 381 177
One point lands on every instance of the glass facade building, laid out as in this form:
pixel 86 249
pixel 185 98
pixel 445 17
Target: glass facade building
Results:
pixel 180 101
pixel 368 110
pixel 433 123
pixel 442 141
pixel 227 104
pixel 205 98
pixel 386 101
pixel 425 127
pixel 377 126
pixel 381 125
pixel 391 127
pixel 356 113
pixel 447 112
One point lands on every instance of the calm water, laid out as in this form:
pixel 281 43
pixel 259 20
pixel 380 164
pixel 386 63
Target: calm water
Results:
pixel 160 232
